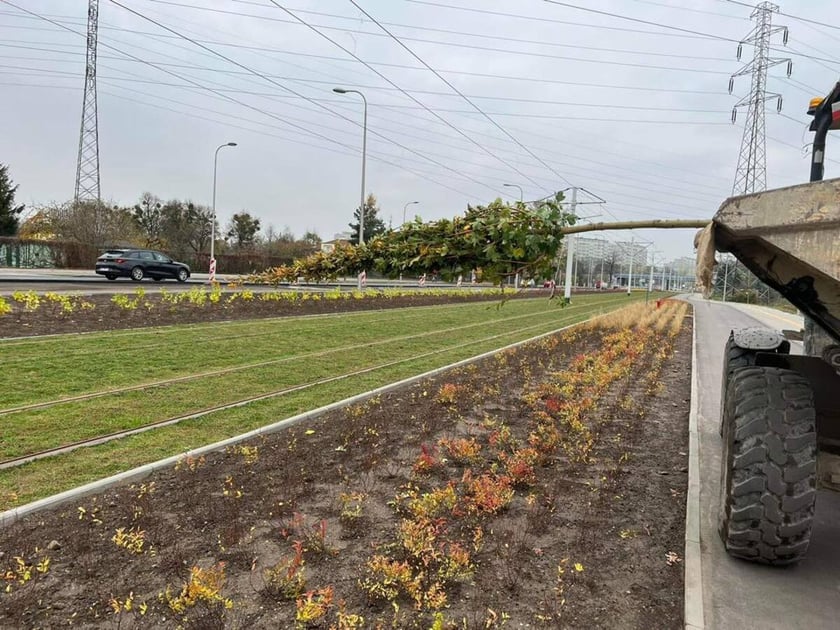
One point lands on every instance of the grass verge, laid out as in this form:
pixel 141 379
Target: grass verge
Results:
pixel 49 476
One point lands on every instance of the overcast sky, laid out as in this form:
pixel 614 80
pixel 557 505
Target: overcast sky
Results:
pixel 553 97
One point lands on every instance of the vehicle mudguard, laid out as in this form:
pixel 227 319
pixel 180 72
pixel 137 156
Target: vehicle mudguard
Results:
pixel 761 340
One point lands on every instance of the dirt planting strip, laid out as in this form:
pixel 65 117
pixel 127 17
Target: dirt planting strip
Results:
pixel 296 528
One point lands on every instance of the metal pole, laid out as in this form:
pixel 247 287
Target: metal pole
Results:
pixel 364 161
pixel 630 275
pixel 521 195
pixel 213 223
pixel 650 280
pixel 725 279
pixel 405 207
pixel 570 253
pixel 603 256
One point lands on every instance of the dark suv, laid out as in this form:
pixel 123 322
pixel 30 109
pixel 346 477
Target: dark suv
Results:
pixel 138 264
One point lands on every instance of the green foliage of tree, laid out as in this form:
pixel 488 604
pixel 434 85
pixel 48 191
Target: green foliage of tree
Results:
pixel 9 212
pixel 311 238
pixel 373 224
pixel 243 229
pixel 496 240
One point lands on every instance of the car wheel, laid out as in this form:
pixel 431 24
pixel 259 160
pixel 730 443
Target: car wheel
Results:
pixel 182 275
pixel 137 274
pixel 111 276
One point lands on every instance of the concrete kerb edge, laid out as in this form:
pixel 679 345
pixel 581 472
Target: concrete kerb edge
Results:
pixel 10 516
pixel 694 615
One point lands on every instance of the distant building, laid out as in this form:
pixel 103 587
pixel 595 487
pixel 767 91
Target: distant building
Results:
pixel 684 266
pixel 342 238
pixel 619 252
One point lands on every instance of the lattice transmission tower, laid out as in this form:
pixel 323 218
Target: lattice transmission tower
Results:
pixel 751 174
pixel 87 167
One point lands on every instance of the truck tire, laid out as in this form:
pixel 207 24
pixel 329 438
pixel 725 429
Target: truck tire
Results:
pixel 734 357
pixel 768 466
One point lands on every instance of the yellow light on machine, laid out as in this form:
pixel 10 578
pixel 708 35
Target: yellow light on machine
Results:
pixel 815 102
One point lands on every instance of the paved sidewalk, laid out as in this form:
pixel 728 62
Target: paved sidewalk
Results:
pixel 736 594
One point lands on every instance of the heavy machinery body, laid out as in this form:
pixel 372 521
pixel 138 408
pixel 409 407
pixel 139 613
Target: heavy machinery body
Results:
pixel 780 413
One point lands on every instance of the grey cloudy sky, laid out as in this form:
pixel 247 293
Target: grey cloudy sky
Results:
pixel 635 113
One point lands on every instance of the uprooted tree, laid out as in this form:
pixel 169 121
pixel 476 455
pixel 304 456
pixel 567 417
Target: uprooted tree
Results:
pixel 496 241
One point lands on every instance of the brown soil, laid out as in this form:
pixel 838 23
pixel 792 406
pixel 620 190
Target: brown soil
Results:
pixel 48 318
pixel 586 546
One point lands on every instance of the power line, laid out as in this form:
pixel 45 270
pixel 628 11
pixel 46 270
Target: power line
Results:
pixel 671 6
pixel 119 78
pixel 810 21
pixel 820 60
pixel 263 124
pixel 372 154
pixel 556 21
pixel 512 99
pixel 390 82
pixel 386 31
pixel 444 71
pixel 492 154
pixel 458 92
pixel 682 189
pixel 494 37
pixel 252 107
pixel 628 18
pixel 283 87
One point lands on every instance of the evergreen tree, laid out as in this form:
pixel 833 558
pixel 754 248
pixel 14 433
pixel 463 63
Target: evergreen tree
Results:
pixel 373 224
pixel 9 212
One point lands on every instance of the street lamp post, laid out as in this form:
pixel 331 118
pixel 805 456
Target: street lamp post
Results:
pixel 570 253
pixel 364 156
pixel 521 195
pixel 213 224
pixel 405 207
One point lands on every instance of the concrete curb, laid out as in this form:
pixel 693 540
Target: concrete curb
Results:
pixel 141 472
pixel 694 619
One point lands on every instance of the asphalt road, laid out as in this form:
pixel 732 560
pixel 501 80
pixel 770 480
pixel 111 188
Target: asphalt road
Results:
pixel 80 280
pixel 737 594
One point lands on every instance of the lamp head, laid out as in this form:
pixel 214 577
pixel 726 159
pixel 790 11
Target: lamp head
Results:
pixel 231 144
pixel 339 90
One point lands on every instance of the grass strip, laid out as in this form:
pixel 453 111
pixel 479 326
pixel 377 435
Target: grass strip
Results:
pixel 31 431
pixel 50 373
pixel 49 476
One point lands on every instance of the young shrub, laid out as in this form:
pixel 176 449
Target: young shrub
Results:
pixel 427 461
pixel 461 450
pixel 203 587
pixel 313 606
pixel 286 579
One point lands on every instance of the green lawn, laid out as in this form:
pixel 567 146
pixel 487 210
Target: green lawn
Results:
pixel 221 363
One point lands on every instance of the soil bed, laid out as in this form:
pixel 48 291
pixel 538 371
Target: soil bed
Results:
pixel 543 487
pixel 151 309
